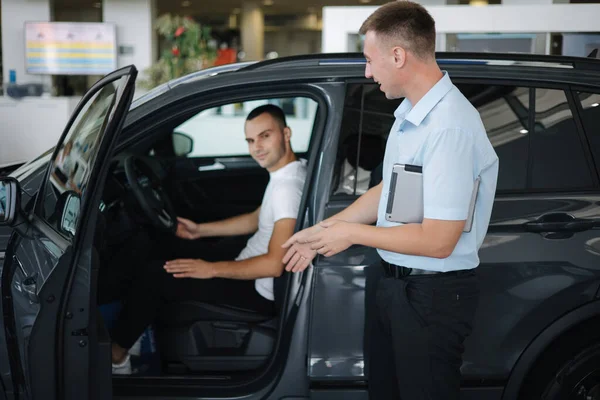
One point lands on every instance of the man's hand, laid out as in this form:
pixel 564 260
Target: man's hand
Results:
pixel 186 268
pixel 333 239
pixel 298 257
pixel 302 236
pixel 187 229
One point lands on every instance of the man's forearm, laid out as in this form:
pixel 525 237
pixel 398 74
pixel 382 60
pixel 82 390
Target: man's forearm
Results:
pixel 252 268
pixel 411 239
pixel 364 209
pixel 239 225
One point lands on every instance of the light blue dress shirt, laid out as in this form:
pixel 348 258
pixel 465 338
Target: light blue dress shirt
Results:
pixel 444 134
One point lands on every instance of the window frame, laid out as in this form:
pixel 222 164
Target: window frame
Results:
pixel 147 129
pixel 247 155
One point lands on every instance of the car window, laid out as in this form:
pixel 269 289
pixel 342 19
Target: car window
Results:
pixel 558 157
pixel 71 168
pixel 590 117
pixel 504 111
pixel 216 132
pixel 547 157
pixel 366 122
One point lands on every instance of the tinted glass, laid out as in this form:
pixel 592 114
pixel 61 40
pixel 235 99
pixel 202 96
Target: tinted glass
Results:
pixel 558 157
pixel 72 167
pixel 368 117
pixel 551 156
pixel 590 116
pixel 504 111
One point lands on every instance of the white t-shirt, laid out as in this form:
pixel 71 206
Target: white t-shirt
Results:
pixel 281 200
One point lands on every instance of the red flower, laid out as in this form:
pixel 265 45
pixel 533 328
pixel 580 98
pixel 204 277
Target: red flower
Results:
pixel 175 51
pixel 179 31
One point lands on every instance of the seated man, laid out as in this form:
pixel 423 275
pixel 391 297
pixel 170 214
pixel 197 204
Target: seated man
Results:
pixel 246 282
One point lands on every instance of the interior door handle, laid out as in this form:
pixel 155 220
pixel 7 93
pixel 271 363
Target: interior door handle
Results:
pixel 559 222
pixel 29 283
pixel 213 167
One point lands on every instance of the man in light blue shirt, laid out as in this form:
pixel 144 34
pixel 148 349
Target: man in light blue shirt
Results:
pixel 444 134
pixel 425 304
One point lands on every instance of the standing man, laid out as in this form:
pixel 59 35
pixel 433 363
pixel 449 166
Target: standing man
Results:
pixel 425 304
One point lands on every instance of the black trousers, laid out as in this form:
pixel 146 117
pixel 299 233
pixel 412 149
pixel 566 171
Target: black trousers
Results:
pixel 415 329
pixel 148 288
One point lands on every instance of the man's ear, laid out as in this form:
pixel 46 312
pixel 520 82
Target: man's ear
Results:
pixel 287 133
pixel 399 56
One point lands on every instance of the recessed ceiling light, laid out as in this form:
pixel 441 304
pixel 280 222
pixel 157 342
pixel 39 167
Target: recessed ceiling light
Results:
pixel 523 131
pixel 364 1
pixel 595 105
pixel 186 3
pixel 268 2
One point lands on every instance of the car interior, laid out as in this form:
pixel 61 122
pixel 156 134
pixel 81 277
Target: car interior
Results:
pixel 183 169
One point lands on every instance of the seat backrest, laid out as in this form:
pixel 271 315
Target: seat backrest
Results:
pixel 358 164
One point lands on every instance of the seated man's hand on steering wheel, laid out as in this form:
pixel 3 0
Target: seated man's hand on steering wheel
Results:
pixel 187 229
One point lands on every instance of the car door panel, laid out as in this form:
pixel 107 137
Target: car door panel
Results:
pixel 43 277
pixel 527 278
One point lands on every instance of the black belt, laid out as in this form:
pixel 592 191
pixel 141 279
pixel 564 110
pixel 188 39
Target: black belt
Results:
pixel 398 271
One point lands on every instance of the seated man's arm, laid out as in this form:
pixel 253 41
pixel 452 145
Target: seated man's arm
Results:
pixel 244 224
pixel 263 266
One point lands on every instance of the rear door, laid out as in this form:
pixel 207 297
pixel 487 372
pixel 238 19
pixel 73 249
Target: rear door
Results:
pixel 539 260
pixel 53 339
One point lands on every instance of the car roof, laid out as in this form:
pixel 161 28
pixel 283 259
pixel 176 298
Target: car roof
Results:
pixel 582 70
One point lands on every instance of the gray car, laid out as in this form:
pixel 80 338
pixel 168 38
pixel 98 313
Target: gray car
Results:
pixel 107 195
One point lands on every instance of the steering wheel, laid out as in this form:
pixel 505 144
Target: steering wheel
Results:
pixel 147 189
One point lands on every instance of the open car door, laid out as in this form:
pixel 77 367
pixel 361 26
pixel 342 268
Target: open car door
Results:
pixel 58 349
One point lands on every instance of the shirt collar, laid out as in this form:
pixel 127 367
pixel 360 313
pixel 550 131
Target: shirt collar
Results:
pixel 415 115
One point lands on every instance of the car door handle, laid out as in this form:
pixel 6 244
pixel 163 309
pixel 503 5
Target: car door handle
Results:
pixel 213 167
pixel 28 284
pixel 559 222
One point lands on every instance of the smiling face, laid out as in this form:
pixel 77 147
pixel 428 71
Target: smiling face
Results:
pixel 268 141
pixel 384 64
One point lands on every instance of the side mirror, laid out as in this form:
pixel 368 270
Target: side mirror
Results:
pixel 69 205
pixel 10 196
pixel 182 144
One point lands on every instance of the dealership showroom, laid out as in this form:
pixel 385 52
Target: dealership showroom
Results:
pixel 300 199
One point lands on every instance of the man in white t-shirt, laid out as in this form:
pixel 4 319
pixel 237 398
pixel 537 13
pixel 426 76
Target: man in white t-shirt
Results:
pixel 246 281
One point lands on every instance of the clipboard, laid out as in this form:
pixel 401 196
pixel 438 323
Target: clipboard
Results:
pixel 405 198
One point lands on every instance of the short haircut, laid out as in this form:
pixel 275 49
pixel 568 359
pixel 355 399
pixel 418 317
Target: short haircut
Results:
pixel 274 111
pixel 404 23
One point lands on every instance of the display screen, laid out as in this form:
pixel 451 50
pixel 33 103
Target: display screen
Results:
pixel 70 48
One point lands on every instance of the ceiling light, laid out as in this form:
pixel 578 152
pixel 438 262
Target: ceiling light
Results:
pixel 186 3
pixel 595 105
pixel 478 3
pixel 523 131
pixel 268 2
pixel 364 1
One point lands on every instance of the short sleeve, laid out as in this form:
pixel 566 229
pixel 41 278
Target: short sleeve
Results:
pixel 448 175
pixel 286 199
